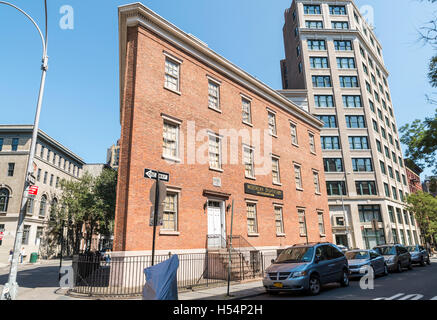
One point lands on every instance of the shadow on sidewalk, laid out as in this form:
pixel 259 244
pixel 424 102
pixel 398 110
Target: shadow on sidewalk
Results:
pixel 39 277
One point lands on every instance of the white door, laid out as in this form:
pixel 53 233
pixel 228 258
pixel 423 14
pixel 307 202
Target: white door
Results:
pixel 215 228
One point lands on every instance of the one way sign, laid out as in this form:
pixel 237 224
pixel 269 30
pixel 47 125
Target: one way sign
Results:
pixel 152 174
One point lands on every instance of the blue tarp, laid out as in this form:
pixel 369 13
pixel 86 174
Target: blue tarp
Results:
pixel 161 280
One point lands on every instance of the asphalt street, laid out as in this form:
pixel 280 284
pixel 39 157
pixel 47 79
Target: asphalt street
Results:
pixel 417 284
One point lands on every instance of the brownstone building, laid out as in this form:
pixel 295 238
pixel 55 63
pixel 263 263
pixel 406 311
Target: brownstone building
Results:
pixel 223 136
pixel 413 175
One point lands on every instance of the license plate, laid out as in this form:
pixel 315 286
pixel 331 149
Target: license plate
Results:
pixel 278 285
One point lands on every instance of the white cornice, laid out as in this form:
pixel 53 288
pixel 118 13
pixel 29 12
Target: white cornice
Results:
pixel 137 14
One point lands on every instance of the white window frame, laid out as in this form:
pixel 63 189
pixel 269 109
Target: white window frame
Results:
pixel 178 64
pixel 249 113
pixel 321 223
pixel 278 182
pixel 252 159
pixel 293 134
pixel 298 178
pixel 282 231
pixel 212 81
pixel 317 185
pixel 177 124
pixel 272 126
pixel 219 141
pixel 255 205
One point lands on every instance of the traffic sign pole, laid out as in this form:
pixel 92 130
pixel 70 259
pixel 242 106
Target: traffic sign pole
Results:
pixel 155 218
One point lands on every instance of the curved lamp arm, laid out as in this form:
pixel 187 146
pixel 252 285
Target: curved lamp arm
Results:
pixel 44 40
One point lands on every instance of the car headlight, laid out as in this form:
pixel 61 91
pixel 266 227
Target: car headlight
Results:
pixel 298 274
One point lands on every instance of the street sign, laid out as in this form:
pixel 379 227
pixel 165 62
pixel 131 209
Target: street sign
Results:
pixel 162 192
pixel 31 179
pixel 160 219
pixel 152 174
pixel 1 235
pixel 33 191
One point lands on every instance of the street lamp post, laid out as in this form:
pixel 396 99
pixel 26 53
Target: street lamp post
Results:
pixel 10 289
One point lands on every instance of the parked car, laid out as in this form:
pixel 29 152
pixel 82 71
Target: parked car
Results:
pixel 396 256
pixel 358 259
pixel 306 268
pixel 342 248
pixel 419 255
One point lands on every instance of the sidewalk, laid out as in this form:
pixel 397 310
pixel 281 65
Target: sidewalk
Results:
pixel 237 291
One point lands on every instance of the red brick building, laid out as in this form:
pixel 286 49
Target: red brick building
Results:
pixel 413 175
pixel 222 135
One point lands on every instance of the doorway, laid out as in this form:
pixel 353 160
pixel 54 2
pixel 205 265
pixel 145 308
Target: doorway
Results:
pixel 216 224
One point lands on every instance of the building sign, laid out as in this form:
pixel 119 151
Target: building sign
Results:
pixel 263 191
pixel 33 191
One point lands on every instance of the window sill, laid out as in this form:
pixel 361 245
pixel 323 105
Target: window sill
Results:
pixel 277 184
pixel 296 145
pixel 252 235
pixel 174 91
pixel 250 178
pixel 169 233
pixel 216 170
pixel 313 153
pixel 318 194
pixel 171 159
pixel 273 135
pixel 323 235
pixel 299 189
pixel 281 235
pixel 214 109
pixel 248 124
pixel 303 235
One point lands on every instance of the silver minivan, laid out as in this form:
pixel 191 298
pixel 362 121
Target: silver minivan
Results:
pixel 306 268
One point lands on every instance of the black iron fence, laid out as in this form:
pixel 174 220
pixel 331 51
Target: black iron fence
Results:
pixel 95 275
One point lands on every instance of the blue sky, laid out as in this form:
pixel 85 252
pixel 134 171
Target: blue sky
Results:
pixel 81 105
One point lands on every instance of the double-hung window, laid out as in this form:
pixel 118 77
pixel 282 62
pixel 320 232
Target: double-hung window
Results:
pixel 352 102
pixel 272 123
pixel 340 25
pixel 321 81
pixel 330 121
pixel 279 221
pixel 170 139
pixel 293 130
pixel 316 45
pixel 215 161
pixel 358 143
pixel 362 165
pixel 311 9
pixel 172 70
pixel 343 45
pixel 319 62
pixel 213 95
pixel 346 63
pixel 366 188
pixel 330 143
pixel 337 10
pixel 249 162
pixel 252 224
pixel 298 177
pixel 170 216
pixel 355 122
pixel 324 101
pixel 247 112
pixel 314 24
pixel 275 171
pixel 348 82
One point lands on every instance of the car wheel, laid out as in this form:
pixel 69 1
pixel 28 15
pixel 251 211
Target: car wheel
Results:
pixel 399 268
pixel 385 270
pixel 345 279
pixel 410 266
pixel 314 288
pixel 429 261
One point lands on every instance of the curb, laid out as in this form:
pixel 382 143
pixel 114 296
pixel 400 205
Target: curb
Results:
pixel 248 296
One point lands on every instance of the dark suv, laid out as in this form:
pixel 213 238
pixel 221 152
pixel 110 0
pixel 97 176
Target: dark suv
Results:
pixel 396 256
pixel 307 267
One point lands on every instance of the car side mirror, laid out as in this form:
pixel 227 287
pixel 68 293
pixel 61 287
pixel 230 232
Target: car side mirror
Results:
pixel 273 261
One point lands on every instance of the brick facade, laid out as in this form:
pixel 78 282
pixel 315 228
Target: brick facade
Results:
pixel 145 104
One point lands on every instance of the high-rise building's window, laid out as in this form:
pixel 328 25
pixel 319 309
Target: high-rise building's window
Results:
pixel 349 82
pixel 355 122
pixel 298 51
pixel 390 172
pixel 362 165
pixel 366 70
pixel 346 63
pixel 352 102
pixel 333 164
pixel 404 180
pixel 316 45
pixel 394 192
pixel 387 152
pixel 391 214
pixel 311 9
pixel 375 126
pixel 11 169
pixel 171 74
pixel 378 146
pixel 319 62
pixel 383 133
pixel 401 163
pixel 343 45
pixel 170 139
pixel 358 143
pixel 372 106
pixel 1 144
pixel 366 188
pixel 337 10
pixel 314 24
pixel 247 112
pixel 368 87
pixel 340 25
pixel 330 143
pixel 38 175
pixel 330 121
pixel 382 165
pixel 380 114
pixel 370 213
pixel 394 157
pixel 324 101
pixel 336 188
pixel 43 206
pixel 387 190
pixel 321 81
pixel 15 144
pixel 45 177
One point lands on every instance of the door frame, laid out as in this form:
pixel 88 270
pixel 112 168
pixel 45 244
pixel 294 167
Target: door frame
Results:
pixel 222 216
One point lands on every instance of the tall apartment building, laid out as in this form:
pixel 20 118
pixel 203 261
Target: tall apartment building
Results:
pixel 333 54
pixel 53 162
pixel 187 111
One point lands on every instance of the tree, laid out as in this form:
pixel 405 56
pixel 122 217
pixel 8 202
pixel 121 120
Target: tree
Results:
pixel 87 204
pixel 424 207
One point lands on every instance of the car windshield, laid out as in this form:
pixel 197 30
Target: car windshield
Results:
pixel 303 254
pixel 386 251
pixel 412 248
pixel 357 255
